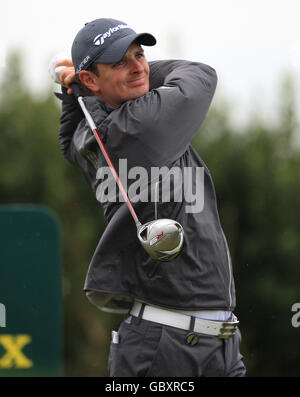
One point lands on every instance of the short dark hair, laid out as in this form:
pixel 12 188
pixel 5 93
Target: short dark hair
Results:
pixel 93 68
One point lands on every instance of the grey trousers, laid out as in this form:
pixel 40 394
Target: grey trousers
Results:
pixel 148 349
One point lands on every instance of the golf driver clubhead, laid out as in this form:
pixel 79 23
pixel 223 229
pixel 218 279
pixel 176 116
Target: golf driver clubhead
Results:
pixel 162 239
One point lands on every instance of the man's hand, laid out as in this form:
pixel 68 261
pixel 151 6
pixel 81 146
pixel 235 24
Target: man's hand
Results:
pixel 67 75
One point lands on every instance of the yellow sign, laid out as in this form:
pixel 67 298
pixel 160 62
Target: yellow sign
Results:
pixel 30 319
pixel 14 357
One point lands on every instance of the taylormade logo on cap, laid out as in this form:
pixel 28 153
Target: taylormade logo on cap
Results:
pixel 99 39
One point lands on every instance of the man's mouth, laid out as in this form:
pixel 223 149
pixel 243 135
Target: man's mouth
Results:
pixel 137 81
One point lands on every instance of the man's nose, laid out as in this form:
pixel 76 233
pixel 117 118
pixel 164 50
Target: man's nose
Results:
pixel 136 66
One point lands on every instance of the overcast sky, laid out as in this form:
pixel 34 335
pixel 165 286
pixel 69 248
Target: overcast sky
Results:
pixel 250 43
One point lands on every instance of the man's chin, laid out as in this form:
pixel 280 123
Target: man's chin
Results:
pixel 139 92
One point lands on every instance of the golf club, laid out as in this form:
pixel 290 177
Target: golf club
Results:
pixel 161 238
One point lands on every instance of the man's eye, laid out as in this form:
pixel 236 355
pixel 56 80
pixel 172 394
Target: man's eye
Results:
pixel 140 55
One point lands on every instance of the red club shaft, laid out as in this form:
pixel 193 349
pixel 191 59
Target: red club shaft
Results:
pixel 115 174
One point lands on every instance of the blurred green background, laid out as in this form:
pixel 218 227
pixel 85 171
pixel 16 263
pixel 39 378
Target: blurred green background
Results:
pixel 256 170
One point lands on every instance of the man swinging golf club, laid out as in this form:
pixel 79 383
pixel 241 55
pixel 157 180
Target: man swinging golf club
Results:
pixel 175 278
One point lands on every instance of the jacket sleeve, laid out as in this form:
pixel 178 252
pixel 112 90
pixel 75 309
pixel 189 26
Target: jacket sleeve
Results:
pixel 71 116
pixel 159 126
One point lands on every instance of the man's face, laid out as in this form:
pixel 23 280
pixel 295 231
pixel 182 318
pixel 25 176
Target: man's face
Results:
pixel 128 79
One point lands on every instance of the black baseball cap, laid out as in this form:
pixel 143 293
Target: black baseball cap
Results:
pixel 105 40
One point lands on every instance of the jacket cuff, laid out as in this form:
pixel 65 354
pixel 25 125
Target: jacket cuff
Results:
pixel 66 98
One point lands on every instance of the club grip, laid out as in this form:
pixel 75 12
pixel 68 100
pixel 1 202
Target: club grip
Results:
pixel 76 90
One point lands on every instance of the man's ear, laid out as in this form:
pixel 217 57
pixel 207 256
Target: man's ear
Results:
pixel 89 79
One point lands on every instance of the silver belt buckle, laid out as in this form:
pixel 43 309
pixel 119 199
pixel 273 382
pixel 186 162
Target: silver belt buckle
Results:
pixel 229 328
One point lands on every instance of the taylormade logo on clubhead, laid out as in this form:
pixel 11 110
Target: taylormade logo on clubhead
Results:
pixel 162 239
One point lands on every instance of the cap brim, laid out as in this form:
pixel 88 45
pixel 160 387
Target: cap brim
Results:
pixel 116 51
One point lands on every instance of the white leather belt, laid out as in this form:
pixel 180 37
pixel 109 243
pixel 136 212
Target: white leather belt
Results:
pixel 189 323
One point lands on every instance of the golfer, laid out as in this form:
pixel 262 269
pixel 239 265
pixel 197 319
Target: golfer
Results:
pixel 179 314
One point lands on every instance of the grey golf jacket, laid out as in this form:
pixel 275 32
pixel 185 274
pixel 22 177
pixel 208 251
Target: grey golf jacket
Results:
pixel 154 130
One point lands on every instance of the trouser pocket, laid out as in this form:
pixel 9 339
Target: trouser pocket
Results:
pixel 133 355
